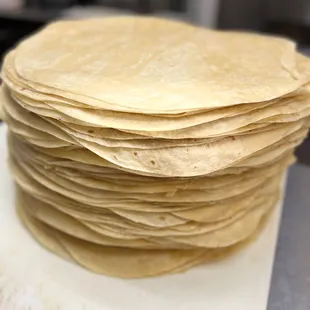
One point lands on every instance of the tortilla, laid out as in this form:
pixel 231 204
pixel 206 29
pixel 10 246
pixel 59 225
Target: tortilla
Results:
pixel 170 62
pixel 127 263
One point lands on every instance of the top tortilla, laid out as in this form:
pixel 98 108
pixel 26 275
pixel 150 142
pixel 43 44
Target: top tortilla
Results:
pixel 151 65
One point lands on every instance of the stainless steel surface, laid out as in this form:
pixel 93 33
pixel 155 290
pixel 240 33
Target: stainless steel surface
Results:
pixel 294 11
pixel 204 13
pixel 290 286
pixel 242 14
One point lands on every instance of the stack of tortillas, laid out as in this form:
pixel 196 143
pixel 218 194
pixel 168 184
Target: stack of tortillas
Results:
pixel 142 146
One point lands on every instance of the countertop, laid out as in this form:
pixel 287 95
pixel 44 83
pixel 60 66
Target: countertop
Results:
pixel 290 285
